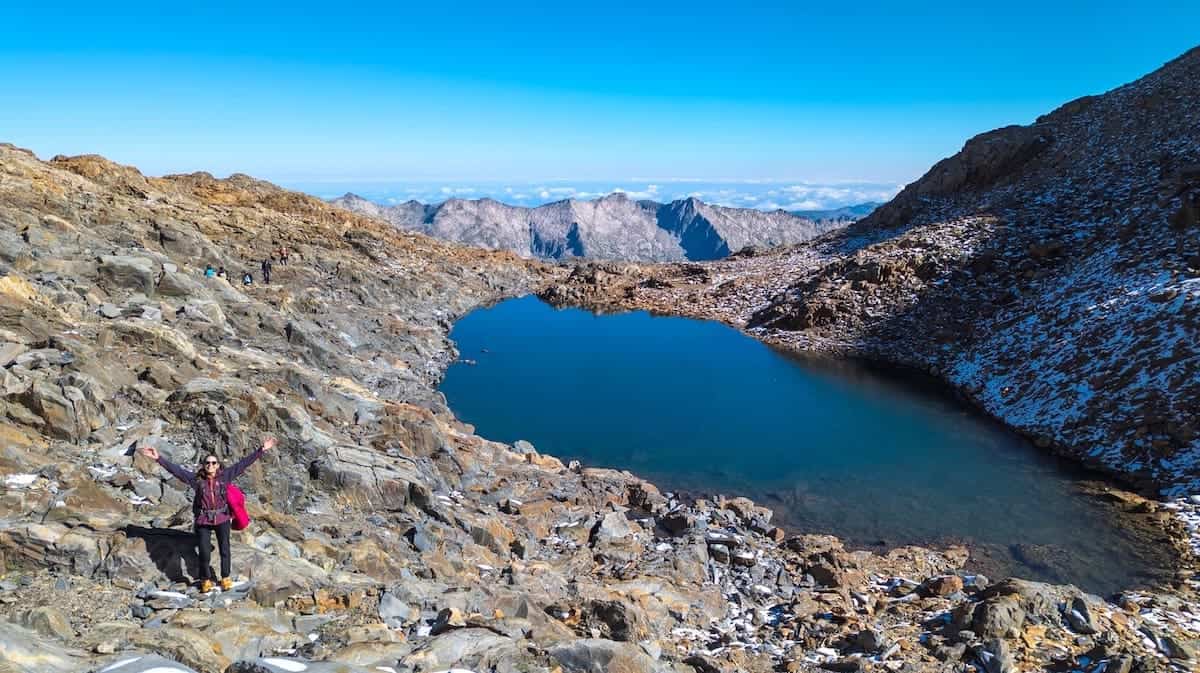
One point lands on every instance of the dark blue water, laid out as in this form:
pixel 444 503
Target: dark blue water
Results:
pixel 836 448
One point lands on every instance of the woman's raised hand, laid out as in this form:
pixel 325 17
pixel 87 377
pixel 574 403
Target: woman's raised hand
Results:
pixel 150 452
pixel 269 443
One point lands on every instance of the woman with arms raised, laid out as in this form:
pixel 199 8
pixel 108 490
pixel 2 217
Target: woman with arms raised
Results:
pixel 211 505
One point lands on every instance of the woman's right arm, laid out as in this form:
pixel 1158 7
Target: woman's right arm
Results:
pixel 186 476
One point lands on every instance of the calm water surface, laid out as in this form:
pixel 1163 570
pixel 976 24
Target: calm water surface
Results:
pixel 700 407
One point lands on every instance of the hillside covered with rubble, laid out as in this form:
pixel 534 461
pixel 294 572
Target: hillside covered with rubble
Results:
pixel 387 536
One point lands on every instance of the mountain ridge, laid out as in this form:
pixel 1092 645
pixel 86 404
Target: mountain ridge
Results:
pixel 612 227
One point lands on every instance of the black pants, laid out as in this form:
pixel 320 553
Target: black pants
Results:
pixel 204 546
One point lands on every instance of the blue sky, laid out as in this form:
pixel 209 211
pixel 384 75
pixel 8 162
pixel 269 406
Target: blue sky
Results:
pixel 471 93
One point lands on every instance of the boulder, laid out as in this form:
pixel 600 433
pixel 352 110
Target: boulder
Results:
pixel 371 478
pixel 998 617
pixel 25 651
pixel 612 528
pixel 617 620
pixel 127 662
pixel 596 655
pixel 1079 617
pixel 994 657
pixel 395 612
pixel 942 585
pixel 49 402
pixel 185 645
pixel 128 271
pixel 203 311
pixel 276 579
pixel 179 284
pixel 460 648
pixel 10 351
pixel 288 665
pixel 48 621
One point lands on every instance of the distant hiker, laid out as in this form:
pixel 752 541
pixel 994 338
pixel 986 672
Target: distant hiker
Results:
pixel 221 273
pixel 247 278
pixel 209 272
pixel 266 269
pixel 211 505
pixel 283 255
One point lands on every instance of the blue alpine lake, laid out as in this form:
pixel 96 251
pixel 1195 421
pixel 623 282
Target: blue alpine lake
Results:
pixel 878 458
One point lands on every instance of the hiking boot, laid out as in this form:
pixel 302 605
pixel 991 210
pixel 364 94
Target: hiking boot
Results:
pixel 206 586
pixel 226 584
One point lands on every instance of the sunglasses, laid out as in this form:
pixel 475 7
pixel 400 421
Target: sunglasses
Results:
pixel 211 462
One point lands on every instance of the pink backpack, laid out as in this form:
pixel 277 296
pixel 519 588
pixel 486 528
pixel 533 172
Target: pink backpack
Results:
pixel 237 507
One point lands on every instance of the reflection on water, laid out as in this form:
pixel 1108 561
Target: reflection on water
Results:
pixel 831 447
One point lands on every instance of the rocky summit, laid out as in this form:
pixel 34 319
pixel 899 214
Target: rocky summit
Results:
pixel 1045 270
pixel 613 228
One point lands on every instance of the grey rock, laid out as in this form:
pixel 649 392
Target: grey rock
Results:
pixel 613 527
pixel 459 648
pixel 179 284
pixel 1176 648
pixel 595 655
pixel 395 612
pixel 290 665
pixel 1122 663
pixel 994 656
pixel 1000 617
pixel 870 640
pixel 48 621
pixel 1079 617
pixel 10 351
pixel 129 271
pixel 143 663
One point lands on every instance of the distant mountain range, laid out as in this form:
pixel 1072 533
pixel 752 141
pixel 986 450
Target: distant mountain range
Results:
pixel 613 227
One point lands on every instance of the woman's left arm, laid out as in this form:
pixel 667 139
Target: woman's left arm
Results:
pixel 239 467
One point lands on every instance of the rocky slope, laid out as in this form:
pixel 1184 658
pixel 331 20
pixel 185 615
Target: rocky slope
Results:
pixel 385 533
pixel 614 227
pixel 1049 272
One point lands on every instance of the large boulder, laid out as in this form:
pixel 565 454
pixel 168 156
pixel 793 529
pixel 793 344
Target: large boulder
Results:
pixel 76 550
pixel 371 478
pixel 129 271
pixel 288 665
pixel 179 284
pixel 49 403
pixel 48 621
pixel 471 648
pixel 143 663
pixel 24 651
pixel 596 655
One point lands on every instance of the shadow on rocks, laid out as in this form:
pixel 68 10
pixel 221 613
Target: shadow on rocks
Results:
pixel 172 551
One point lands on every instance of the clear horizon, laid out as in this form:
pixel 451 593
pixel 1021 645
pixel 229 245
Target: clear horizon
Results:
pixel 478 93
pixel 759 194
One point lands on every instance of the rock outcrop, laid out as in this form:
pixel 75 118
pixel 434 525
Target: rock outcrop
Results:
pixel 614 227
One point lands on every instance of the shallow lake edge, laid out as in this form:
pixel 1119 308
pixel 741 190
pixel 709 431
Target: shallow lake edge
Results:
pixel 1111 488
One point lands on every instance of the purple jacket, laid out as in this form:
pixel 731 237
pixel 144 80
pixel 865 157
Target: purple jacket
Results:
pixel 210 504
